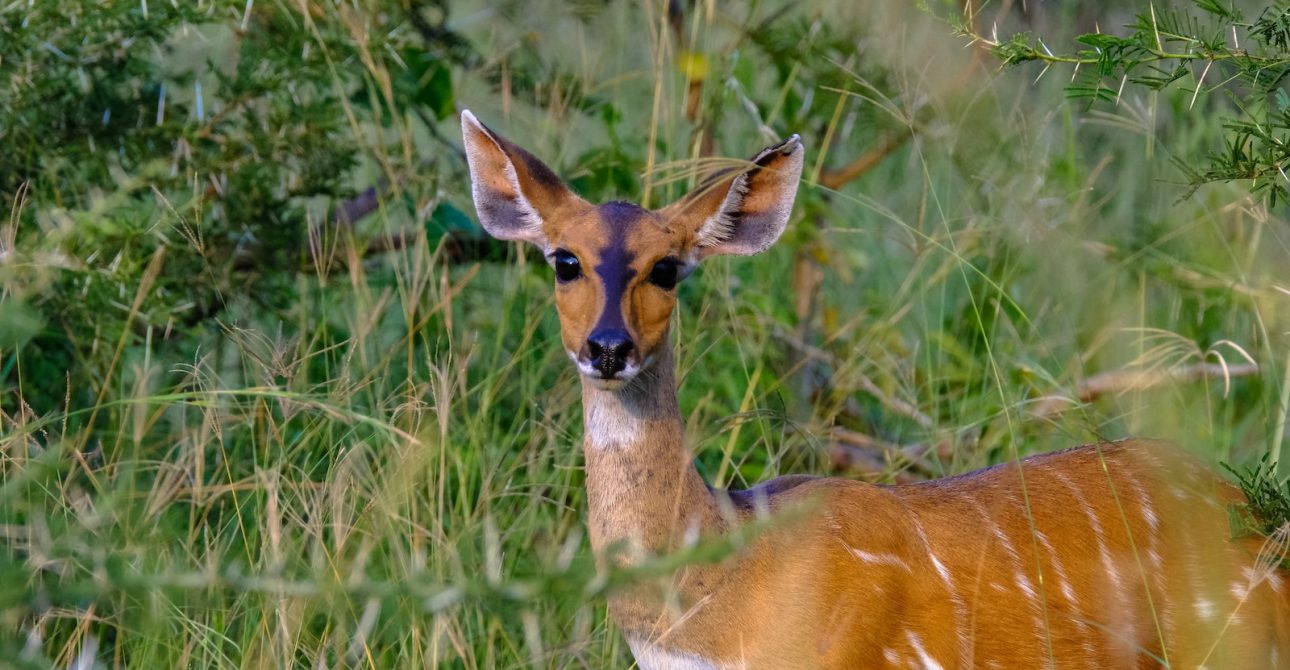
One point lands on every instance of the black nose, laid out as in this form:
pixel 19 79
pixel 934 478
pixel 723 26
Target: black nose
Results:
pixel 609 349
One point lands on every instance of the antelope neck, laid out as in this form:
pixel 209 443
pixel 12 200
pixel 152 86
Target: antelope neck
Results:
pixel 642 486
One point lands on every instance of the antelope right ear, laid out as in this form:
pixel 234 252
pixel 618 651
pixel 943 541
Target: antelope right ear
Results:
pixel 742 211
pixel 516 195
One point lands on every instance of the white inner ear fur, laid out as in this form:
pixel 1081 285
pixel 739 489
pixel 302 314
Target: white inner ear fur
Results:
pixel 530 221
pixel 720 227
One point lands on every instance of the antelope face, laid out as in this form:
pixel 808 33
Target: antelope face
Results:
pixel 616 271
pixel 617 265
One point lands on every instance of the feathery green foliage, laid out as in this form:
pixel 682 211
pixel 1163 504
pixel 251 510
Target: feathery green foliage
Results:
pixel 1218 51
pixel 1268 506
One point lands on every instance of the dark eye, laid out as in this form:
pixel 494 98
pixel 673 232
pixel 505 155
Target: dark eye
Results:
pixel 567 267
pixel 665 273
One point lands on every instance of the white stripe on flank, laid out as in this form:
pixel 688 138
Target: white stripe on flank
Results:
pixel 1113 574
pixel 925 658
pixel 1117 589
pixel 1019 575
pixel 960 609
pixel 880 559
pixel 1063 582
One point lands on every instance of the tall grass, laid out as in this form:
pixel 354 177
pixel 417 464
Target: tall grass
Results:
pixel 386 471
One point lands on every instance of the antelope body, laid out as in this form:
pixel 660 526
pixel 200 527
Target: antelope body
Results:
pixel 1111 555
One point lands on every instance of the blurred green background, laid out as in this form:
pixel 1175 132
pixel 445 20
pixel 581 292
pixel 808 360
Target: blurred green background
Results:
pixel 268 399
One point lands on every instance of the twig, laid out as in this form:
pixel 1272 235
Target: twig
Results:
pixel 351 211
pixel 1123 381
pixel 867 161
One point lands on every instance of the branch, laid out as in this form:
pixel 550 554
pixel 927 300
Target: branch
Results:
pixel 1115 382
pixel 349 212
pixel 835 179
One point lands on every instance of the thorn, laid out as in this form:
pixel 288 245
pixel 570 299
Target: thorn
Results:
pixel 1042 73
pixel 1199 82
pixel 1045 46
pixel 1156 28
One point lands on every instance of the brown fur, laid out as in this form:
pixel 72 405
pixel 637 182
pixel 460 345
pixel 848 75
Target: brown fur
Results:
pixel 1113 555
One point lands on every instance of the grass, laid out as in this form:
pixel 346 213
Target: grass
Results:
pixel 385 470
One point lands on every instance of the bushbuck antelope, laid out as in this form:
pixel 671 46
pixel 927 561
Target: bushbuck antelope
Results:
pixel 1111 555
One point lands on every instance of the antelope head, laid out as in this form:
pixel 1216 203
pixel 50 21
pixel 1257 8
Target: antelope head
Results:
pixel 617 265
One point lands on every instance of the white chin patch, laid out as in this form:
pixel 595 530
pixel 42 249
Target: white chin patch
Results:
pixel 588 370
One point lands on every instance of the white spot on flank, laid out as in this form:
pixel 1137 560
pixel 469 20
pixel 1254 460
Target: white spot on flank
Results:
pixel 880 559
pixel 691 537
pixel 1239 590
pixel 1204 608
pixel 926 659
pixel 894 658
pixel 1148 513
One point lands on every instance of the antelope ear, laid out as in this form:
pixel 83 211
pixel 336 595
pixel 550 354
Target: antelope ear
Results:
pixel 742 211
pixel 516 195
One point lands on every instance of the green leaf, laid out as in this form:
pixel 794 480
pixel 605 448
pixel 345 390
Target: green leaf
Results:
pixel 1217 9
pixel 1104 41
pixel 428 83
pixel 19 322
pixel 446 219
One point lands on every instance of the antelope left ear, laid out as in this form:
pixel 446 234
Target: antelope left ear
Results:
pixel 744 210
pixel 516 195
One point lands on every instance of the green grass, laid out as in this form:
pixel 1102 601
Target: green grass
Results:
pixel 382 467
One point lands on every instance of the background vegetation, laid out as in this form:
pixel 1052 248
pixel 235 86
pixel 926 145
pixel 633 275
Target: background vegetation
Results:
pixel 267 399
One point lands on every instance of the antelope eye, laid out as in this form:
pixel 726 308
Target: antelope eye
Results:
pixel 567 267
pixel 665 273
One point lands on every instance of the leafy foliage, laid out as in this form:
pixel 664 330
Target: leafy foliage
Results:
pixel 1218 50
pixel 1268 499
pixel 221 140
